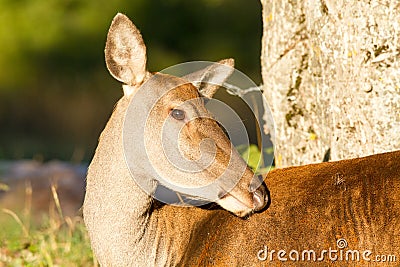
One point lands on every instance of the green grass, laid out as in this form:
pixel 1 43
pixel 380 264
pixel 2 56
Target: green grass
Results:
pixel 53 240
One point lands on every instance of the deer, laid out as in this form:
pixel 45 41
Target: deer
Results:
pixel 299 215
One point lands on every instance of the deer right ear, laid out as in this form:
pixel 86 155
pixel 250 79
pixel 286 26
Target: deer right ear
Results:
pixel 209 79
pixel 125 52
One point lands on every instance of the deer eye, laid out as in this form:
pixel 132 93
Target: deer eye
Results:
pixel 178 114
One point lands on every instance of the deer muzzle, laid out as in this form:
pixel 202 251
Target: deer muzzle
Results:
pixel 245 202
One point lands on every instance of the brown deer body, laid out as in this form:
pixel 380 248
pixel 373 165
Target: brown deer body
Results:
pixel 311 207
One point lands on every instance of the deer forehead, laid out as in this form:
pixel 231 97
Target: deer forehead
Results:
pixel 182 93
pixel 174 91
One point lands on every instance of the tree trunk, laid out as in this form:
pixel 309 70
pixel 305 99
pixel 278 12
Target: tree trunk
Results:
pixel 331 74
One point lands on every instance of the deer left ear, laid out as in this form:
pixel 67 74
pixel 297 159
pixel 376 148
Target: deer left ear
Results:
pixel 125 52
pixel 209 79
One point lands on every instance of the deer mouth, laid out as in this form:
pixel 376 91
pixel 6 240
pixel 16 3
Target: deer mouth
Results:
pixel 243 204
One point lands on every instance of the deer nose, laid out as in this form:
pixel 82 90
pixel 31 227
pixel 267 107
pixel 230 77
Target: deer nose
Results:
pixel 260 198
pixel 260 194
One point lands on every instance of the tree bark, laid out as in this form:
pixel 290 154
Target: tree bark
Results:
pixel 331 74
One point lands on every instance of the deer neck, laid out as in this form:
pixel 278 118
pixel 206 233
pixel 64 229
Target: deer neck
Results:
pixel 118 212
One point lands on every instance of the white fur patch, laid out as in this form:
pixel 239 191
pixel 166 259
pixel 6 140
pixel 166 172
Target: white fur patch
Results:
pixel 128 90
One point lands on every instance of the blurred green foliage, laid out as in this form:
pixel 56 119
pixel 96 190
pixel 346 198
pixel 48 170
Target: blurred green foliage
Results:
pixel 55 92
pixel 260 163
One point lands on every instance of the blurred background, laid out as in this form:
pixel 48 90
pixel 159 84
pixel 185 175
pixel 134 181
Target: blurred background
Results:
pixel 55 91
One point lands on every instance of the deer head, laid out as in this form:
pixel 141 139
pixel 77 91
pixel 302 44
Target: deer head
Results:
pixel 169 135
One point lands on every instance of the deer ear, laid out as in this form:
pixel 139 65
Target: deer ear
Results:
pixel 209 79
pixel 125 52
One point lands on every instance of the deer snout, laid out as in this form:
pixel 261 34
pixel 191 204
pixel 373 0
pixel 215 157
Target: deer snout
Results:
pixel 244 201
pixel 260 197
pixel 260 193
